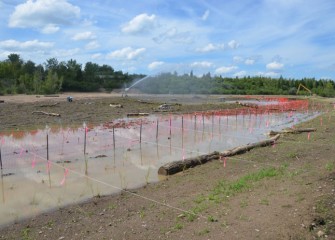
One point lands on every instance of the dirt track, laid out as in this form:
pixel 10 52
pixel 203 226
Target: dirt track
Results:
pixel 281 192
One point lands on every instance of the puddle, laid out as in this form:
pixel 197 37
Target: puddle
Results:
pixel 119 155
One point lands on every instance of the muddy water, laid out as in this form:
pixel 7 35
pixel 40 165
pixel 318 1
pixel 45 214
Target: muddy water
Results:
pixel 47 169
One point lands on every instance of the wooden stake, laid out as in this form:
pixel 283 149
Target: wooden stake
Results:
pixel 141 132
pixel 0 158
pixel 85 141
pixel 157 131
pixel 114 139
pixel 48 163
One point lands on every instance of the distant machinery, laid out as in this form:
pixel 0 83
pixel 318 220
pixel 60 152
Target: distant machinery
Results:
pixel 304 87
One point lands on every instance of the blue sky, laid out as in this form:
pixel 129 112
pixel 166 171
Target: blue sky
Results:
pixel 292 38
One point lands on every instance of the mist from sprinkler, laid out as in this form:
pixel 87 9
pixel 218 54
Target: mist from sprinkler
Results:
pixel 137 82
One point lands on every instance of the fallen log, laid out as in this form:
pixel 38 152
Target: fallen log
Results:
pixel 178 166
pixel 46 113
pixel 137 114
pixel 51 95
pixel 248 147
pixel 49 105
pixel 251 105
pixel 292 131
pixel 181 165
pixel 116 105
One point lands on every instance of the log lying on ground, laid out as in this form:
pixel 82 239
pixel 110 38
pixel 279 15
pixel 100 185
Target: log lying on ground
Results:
pixel 292 131
pixel 46 113
pixel 178 166
pixel 251 105
pixel 116 105
pixel 137 114
pixel 51 95
pixel 248 147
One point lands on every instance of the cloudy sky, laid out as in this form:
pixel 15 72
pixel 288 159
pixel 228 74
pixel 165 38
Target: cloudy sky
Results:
pixel 292 38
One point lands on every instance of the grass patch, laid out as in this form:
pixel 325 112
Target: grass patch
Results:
pixel 330 167
pixel 178 226
pixel 225 189
pixel 264 202
pixel 203 232
pixel 26 234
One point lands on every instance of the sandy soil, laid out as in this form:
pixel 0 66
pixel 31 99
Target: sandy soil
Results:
pixel 281 192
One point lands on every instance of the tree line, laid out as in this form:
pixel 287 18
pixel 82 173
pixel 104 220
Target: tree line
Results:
pixel 18 76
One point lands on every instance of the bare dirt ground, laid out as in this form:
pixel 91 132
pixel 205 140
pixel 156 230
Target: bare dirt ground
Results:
pixel 281 192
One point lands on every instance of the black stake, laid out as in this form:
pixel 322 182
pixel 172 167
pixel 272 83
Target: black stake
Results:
pixel 157 131
pixel 141 132
pixel 114 139
pixel 85 141
pixel 0 159
pixel 47 147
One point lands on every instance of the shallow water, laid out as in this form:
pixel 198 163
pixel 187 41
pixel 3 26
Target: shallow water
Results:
pixel 115 158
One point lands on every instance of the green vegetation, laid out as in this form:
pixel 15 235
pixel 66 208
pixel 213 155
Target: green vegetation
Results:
pixel 330 166
pixel 225 189
pixel 26 233
pixel 19 76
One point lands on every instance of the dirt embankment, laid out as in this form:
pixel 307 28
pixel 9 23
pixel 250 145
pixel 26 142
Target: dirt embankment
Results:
pixel 281 192
pixel 23 112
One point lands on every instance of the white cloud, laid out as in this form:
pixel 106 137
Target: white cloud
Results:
pixel 233 44
pixel 66 52
pixel 268 74
pixel 237 59
pixel 249 61
pixel 45 15
pixel 127 53
pixel 140 23
pixel 14 45
pixel 240 74
pixel 203 64
pixel 49 29
pixel 175 36
pixel 210 47
pixel 155 65
pixel 205 15
pixel 96 56
pixel 92 45
pixel 223 70
pixel 83 36
pixel 275 66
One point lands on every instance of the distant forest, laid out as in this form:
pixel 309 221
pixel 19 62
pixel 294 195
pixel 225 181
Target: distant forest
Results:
pixel 25 77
